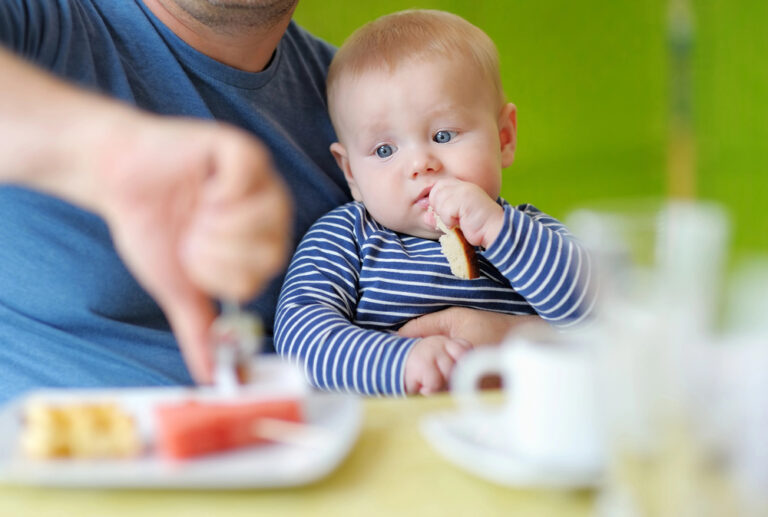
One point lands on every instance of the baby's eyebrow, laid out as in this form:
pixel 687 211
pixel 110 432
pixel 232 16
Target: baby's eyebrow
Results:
pixel 374 127
pixel 371 133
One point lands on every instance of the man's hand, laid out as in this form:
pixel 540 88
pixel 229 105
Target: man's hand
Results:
pixel 430 363
pixel 468 325
pixel 473 325
pixel 195 210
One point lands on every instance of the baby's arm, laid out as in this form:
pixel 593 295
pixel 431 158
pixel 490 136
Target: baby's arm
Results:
pixel 314 326
pixel 544 264
pixel 535 252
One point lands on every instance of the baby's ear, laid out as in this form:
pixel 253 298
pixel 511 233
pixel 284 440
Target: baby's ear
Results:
pixel 508 133
pixel 340 154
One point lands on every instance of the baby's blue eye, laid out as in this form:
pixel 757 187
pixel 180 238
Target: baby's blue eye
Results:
pixel 443 136
pixel 384 151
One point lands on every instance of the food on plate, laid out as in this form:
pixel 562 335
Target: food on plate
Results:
pixel 460 253
pixel 194 428
pixel 79 430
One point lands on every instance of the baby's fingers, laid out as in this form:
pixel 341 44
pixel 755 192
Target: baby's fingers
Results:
pixel 446 362
pixel 432 381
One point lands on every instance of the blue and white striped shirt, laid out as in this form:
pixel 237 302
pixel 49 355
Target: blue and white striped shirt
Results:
pixel 353 282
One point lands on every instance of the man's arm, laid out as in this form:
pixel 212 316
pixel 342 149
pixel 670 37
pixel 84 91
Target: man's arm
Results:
pixel 476 326
pixel 195 208
pixel 50 131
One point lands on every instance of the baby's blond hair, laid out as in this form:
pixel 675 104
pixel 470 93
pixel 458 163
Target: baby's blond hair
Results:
pixel 412 35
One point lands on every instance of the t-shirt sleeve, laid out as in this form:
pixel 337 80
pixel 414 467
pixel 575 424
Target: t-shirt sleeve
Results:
pixel 35 29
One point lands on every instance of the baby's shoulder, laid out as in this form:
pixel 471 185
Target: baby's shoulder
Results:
pixel 350 220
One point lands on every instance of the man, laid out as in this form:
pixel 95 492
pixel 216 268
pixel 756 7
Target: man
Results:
pixel 195 208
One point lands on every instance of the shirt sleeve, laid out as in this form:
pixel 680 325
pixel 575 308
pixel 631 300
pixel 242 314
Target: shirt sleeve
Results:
pixel 35 29
pixel 314 320
pixel 545 265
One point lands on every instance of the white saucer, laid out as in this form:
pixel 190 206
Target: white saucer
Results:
pixel 471 441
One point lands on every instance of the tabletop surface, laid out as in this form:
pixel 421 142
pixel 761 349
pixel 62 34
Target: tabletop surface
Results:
pixel 392 470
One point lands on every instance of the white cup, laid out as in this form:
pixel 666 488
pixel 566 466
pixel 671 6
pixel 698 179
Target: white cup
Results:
pixel 549 416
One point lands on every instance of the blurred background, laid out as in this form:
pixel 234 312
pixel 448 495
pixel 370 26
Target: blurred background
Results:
pixel 625 99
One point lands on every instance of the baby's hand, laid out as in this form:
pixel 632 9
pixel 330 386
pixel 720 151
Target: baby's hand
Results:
pixel 430 363
pixel 463 204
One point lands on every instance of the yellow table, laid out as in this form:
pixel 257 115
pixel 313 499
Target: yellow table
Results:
pixel 392 471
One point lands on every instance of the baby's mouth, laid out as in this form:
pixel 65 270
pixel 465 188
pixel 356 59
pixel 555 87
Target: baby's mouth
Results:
pixel 423 198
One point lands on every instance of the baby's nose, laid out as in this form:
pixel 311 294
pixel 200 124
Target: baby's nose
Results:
pixel 425 164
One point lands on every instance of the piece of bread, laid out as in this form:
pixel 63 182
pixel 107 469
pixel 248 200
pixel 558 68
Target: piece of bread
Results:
pixel 460 253
pixel 79 430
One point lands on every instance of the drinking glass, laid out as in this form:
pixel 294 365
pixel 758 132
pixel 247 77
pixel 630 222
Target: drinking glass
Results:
pixel 659 269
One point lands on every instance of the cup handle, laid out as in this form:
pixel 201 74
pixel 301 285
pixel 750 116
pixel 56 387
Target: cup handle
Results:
pixel 469 370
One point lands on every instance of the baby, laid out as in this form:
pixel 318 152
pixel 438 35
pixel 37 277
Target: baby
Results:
pixel 423 127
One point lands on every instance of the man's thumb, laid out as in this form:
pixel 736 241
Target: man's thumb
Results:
pixel 423 326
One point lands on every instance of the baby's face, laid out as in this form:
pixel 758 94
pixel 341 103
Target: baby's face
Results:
pixel 403 131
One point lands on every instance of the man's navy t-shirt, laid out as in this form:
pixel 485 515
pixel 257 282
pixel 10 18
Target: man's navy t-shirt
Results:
pixel 70 313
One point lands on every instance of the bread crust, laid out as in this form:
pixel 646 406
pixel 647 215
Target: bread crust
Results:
pixel 463 264
pixel 459 252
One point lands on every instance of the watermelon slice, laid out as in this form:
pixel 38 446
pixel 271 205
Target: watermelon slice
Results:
pixel 192 428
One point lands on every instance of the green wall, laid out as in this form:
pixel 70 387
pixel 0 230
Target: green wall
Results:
pixel 591 80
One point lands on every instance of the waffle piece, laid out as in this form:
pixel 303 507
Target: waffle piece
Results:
pixel 81 430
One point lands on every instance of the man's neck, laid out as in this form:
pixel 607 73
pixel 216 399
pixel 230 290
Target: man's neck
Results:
pixel 246 48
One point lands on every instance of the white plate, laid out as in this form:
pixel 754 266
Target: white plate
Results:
pixel 259 466
pixel 472 441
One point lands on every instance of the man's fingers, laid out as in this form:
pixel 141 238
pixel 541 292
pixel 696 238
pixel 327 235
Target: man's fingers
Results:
pixel 235 241
pixel 240 235
pixel 235 263
pixel 196 210
pixel 253 213
pixel 222 270
pixel 243 223
pixel 190 319
pixel 240 164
